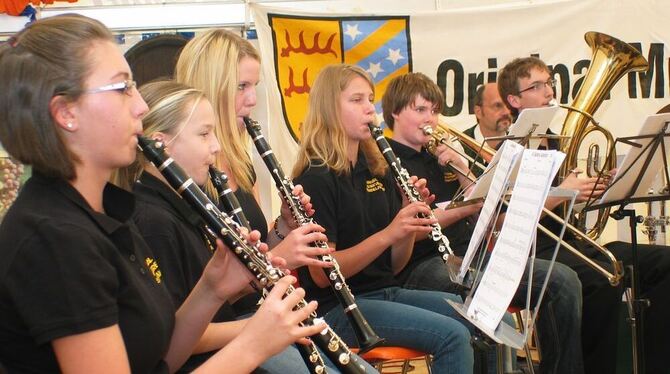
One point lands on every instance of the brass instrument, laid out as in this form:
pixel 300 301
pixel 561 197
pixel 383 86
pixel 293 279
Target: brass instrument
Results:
pixel 444 134
pixel 487 153
pixel 611 59
pixel 653 224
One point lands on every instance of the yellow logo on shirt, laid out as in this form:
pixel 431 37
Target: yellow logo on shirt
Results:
pixel 373 185
pixel 153 267
pixel 449 176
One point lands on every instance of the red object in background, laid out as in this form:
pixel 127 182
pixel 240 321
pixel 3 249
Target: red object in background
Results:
pixel 15 7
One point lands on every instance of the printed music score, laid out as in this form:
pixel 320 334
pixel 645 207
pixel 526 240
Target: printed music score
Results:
pixel 508 260
pixel 503 163
pixel 633 164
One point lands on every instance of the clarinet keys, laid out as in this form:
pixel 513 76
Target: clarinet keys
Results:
pixel 344 358
pixel 333 346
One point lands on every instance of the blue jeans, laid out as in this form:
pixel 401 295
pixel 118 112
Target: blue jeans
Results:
pixel 290 361
pixel 420 320
pixel 559 318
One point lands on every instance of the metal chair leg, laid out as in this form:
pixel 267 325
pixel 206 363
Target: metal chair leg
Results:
pixel 500 369
pixel 429 362
pixel 405 367
pixel 526 348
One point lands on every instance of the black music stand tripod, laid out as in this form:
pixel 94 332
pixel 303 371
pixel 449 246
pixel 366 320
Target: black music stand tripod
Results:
pixel 633 178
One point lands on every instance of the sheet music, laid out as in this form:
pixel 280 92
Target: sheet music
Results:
pixel 533 116
pixel 631 169
pixel 483 183
pixel 503 162
pixel 508 260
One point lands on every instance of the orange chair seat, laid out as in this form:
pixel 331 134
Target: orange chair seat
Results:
pixel 390 353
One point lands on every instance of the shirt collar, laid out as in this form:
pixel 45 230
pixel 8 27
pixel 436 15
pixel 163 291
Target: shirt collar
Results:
pixel 155 185
pixel 404 152
pixel 118 203
pixel 479 137
pixel 361 162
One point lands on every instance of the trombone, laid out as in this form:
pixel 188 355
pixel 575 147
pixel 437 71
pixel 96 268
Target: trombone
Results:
pixel 445 134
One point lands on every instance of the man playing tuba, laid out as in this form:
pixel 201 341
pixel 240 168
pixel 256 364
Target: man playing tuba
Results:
pixel 528 83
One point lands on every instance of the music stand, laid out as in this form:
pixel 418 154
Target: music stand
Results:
pixel 532 120
pixel 503 333
pixel 629 186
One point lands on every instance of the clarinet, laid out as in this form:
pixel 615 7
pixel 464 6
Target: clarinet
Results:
pixel 227 197
pixel 401 177
pixel 231 205
pixel 225 228
pixel 366 337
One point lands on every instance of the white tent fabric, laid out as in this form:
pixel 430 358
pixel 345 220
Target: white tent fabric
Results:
pixel 461 49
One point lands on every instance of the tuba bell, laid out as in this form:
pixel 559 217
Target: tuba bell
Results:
pixel 611 59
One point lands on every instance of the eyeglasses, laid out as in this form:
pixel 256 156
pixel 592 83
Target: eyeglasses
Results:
pixel 126 87
pixel 539 86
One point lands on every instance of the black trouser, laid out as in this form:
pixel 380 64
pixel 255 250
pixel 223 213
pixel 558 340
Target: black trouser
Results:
pixel 601 304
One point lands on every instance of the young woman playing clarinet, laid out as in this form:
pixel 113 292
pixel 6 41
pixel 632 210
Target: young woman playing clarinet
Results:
pixel 357 201
pixel 182 119
pixel 227 69
pixel 76 293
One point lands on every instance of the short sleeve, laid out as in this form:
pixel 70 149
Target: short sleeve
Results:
pixel 320 185
pixel 63 289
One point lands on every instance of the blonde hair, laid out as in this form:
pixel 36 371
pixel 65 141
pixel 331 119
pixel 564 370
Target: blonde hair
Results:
pixel 171 106
pixel 209 62
pixel 323 137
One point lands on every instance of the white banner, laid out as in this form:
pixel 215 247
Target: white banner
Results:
pixel 462 49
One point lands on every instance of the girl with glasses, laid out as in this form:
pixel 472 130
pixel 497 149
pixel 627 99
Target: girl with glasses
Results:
pixel 80 290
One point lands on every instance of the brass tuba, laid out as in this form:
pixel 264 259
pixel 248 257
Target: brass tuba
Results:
pixel 611 59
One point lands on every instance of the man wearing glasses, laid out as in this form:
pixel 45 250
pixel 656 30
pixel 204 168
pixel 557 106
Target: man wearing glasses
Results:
pixel 528 83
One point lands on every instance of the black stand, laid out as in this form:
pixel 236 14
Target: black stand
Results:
pixel 637 305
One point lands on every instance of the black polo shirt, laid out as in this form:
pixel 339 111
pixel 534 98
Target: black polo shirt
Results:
pixel 175 232
pixel 444 184
pixel 66 269
pixel 351 208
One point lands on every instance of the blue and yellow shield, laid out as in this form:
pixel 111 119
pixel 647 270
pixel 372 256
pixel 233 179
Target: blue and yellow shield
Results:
pixel 304 45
